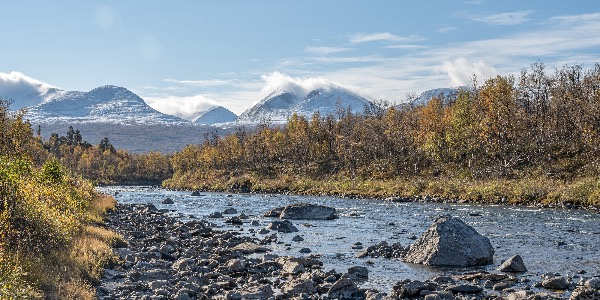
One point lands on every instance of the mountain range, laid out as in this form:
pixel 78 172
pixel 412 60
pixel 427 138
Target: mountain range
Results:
pixel 119 113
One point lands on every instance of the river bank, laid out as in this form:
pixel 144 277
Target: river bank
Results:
pixel 541 192
pixel 169 257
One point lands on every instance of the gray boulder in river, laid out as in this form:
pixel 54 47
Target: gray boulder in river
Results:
pixel 303 211
pixel 451 242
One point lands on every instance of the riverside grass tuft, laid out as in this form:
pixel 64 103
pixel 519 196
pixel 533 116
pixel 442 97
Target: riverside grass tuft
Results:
pixel 51 245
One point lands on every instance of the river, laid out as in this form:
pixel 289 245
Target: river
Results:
pixel 548 240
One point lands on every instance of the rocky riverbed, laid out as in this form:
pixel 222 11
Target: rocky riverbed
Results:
pixel 169 257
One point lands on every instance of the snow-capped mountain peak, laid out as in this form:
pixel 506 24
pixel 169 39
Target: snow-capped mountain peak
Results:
pixel 215 115
pixel 280 104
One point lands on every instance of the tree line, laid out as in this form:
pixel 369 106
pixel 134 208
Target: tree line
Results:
pixel 539 123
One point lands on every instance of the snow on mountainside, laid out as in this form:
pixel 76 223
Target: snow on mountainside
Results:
pixel 107 104
pixel 447 95
pixel 278 106
pixel 215 115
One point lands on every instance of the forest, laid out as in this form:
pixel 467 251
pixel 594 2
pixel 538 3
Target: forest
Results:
pixel 529 138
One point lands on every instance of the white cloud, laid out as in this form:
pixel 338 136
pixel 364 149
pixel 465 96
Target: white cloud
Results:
pixel 446 29
pixel 406 47
pixel 200 83
pixel 382 36
pixel 298 86
pixel 187 107
pixel 510 18
pixel 23 90
pixel 325 50
pixel 462 70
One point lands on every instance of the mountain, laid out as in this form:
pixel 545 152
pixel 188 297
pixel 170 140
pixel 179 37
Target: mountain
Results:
pixel 278 106
pixel 447 95
pixel 106 104
pixel 215 115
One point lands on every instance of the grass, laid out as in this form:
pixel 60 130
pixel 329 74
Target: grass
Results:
pixel 579 192
pixel 67 272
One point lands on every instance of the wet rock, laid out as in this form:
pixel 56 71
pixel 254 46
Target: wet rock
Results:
pixel 520 295
pixel 513 264
pixel 196 193
pixel 234 221
pixel 408 288
pixel 555 283
pixel 254 223
pixel 465 288
pixel 230 211
pixel 303 211
pixel 168 201
pixel 383 249
pixel 284 226
pixel 297 238
pixel 358 272
pixel 305 250
pixel 451 242
pixel 593 283
pixel 263 231
pixel 343 289
pixel 215 215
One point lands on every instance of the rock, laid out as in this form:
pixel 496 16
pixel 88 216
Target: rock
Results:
pixel 292 267
pixel 555 283
pixel 585 293
pixel 249 247
pixel 274 213
pixel 408 288
pixel 263 231
pixel 343 289
pixel 513 264
pixel 593 283
pixel 305 250
pixel 284 226
pixel 520 295
pixel 299 286
pixel 305 211
pixel 183 264
pixel 230 211
pixel 168 201
pixel 215 215
pixel 297 238
pixel 149 207
pixel 196 193
pixel 361 273
pixel 254 223
pixel 465 288
pixel 182 296
pixel 234 221
pixel 235 265
pixel 451 242
pixel 258 292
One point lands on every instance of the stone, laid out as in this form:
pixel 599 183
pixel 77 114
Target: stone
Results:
pixel 230 211
pixel 258 292
pixel 520 295
pixel 408 288
pixel 183 264
pixel 284 226
pixel 343 289
pixel 305 211
pixel 196 193
pixel 585 293
pixel 361 273
pixel 593 283
pixel 234 221
pixel 263 231
pixel 249 247
pixel 299 286
pixel 451 242
pixel 292 267
pixel 555 283
pixel 297 238
pixel 215 215
pixel 513 264
pixel 235 265
pixel 305 250
pixel 465 288
pixel 168 201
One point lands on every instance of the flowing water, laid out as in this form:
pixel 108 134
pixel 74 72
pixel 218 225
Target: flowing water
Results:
pixel 548 240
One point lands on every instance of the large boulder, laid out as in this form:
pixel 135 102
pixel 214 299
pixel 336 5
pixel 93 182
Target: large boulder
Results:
pixel 513 264
pixel 451 242
pixel 303 211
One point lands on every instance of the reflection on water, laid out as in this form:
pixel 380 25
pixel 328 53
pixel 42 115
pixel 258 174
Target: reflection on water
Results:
pixel 549 240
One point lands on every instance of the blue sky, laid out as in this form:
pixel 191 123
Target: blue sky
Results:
pixel 182 56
